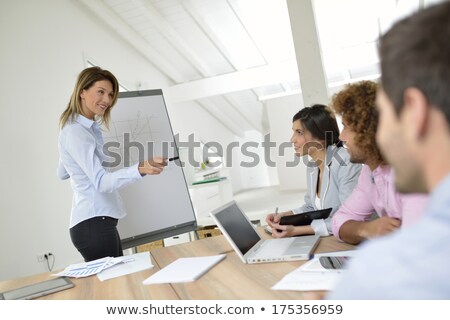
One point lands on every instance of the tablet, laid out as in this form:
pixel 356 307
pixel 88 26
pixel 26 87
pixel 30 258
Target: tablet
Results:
pixel 37 290
pixel 305 218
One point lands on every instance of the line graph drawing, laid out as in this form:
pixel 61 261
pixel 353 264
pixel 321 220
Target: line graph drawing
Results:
pixel 140 127
pixel 136 137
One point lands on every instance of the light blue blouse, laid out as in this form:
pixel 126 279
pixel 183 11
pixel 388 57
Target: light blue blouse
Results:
pixel 94 188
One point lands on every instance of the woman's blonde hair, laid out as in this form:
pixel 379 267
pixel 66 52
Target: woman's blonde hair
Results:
pixel 87 78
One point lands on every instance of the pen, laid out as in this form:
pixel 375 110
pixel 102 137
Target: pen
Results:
pixel 127 260
pixel 276 215
pixel 174 158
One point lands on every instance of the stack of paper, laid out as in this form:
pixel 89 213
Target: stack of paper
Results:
pixel 88 268
pixel 107 265
pixel 184 270
pixel 133 263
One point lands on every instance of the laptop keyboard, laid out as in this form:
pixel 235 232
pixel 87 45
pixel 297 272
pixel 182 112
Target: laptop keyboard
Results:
pixel 296 247
pixel 268 249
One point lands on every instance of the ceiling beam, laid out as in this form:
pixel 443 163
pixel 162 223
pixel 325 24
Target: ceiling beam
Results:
pixel 313 81
pixel 235 81
pixel 115 22
pixel 244 112
pixel 285 85
pixel 222 117
pixel 211 34
pixel 173 37
pixel 331 85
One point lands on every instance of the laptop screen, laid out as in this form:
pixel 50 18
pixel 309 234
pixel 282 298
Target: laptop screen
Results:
pixel 237 226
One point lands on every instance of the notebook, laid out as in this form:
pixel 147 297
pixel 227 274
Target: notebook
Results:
pixel 184 270
pixel 249 246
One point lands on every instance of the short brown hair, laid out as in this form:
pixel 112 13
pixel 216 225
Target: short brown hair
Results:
pixel 356 104
pixel 415 52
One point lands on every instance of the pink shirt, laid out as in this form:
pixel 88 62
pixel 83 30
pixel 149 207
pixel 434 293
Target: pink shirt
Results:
pixel 375 192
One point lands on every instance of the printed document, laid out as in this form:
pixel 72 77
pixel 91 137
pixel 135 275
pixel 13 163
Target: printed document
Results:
pixel 312 276
pixel 131 264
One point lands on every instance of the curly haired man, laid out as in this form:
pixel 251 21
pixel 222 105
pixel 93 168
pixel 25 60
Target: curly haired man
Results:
pixel 375 192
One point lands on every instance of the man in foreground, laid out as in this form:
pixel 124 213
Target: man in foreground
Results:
pixel 414 136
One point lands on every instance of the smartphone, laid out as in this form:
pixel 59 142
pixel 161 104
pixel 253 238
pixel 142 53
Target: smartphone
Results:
pixel 333 262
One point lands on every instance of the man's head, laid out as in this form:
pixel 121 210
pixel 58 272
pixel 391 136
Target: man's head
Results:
pixel 356 105
pixel 414 98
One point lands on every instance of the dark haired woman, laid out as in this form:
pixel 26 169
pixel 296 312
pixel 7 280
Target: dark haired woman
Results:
pixel 331 177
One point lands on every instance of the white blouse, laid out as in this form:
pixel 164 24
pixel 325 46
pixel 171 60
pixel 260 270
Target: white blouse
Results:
pixel 319 226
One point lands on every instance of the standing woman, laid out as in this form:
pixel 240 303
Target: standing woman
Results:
pixel 96 204
pixel 331 177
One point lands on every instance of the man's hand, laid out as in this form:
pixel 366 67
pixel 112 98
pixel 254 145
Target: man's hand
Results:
pixel 354 232
pixel 379 227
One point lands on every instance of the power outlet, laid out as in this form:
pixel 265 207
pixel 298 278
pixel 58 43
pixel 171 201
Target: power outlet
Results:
pixel 42 258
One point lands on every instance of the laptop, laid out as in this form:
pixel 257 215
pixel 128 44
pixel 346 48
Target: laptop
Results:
pixel 249 246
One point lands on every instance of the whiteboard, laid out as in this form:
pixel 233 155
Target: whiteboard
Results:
pixel 158 206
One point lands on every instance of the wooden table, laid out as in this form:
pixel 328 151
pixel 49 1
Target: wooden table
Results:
pixel 230 279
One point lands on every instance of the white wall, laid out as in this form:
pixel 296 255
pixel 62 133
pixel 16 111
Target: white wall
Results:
pixel 248 166
pixel 190 118
pixel 43 48
pixel 280 112
pixel 203 127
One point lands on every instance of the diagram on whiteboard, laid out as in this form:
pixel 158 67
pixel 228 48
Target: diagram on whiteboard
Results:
pixel 157 206
pixel 135 139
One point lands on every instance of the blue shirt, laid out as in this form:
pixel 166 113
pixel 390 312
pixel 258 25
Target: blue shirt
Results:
pixel 410 264
pixel 94 189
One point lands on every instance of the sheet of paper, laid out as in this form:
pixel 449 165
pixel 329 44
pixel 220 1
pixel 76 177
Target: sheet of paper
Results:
pixel 184 270
pixel 314 264
pixel 131 263
pixel 299 280
pixel 347 253
pixel 311 276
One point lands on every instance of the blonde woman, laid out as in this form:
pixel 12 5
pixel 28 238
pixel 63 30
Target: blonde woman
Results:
pixel 96 204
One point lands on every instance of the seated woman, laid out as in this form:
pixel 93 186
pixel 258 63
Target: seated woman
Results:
pixel 331 177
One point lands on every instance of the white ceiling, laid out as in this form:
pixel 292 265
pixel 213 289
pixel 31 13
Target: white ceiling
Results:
pixel 230 55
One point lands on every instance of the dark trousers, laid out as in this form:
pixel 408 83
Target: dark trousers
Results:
pixel 97 238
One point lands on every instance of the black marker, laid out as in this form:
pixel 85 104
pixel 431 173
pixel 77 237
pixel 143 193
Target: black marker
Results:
pixel 174 158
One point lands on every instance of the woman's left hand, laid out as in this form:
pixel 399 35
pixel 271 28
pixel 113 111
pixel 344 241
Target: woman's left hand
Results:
pixel 283 231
